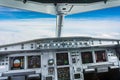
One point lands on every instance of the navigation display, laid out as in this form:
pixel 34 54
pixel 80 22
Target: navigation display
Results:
pixel 34 61
pixel 17 63
pixel 62 59
pixel 67 1
pixel 86 57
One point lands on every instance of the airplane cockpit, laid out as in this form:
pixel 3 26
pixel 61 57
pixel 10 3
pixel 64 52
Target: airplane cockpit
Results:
pixel 61 58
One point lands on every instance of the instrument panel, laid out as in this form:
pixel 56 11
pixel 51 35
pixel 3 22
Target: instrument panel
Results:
pixel 58 66
pixel 59 59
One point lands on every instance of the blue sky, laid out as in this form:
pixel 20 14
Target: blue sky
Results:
pixel 99 14
pixel 20 25
pixel 9 13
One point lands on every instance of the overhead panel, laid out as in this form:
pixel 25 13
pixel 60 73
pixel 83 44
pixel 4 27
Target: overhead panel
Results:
pixel 30 6
pixel 49 6
pixel 80 8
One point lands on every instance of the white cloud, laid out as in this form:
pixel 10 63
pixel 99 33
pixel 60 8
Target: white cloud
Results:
pixel 95 28
pixel 22 30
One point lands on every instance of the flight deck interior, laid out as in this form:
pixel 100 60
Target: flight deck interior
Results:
pixel 61 58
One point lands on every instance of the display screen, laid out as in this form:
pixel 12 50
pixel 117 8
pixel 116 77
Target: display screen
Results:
pixel 62 59
pixel 100 56
pixel 86 57
pixel 67 1
pixel 34 61
pixel 77 76
pixel 17 63
pixel 63 73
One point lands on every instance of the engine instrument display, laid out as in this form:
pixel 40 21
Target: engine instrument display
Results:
pixel 87 57
pixel 34 61
pixel 62 59
pixel 100 56
pixel 17 63
pixel 63 73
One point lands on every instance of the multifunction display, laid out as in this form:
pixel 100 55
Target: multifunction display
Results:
pixel 62 59
pixel 34 61
pixel 17 63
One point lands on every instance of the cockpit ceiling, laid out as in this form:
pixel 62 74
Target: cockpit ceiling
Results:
pixel 68 8
pixel 67 1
